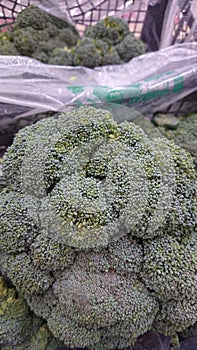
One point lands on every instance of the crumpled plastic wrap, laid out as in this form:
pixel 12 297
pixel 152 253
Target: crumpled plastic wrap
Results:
pixel 149 83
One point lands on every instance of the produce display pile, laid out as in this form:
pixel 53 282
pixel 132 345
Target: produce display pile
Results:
pixel 182 130
pixel 97 230
pixel 49 39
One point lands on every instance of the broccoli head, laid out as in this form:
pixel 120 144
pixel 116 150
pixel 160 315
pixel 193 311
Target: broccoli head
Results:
pixel 94 52
pixel 26 39
pixel 7 46
pixel 68 36
pixel 36 33
pixel 184 134
pixel 87 54
pixel 111 57
pixel 98 229
pixel 130 47
pixel 32 17
pixel 19 328
pixel 111 29
pixel 39 19
pixel 61 56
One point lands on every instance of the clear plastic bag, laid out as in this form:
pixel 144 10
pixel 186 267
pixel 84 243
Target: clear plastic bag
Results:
pixel 149 83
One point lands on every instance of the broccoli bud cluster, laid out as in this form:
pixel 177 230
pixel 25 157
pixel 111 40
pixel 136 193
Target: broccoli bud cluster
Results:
pixel 19 328
pixel 51 40
pixel 97 229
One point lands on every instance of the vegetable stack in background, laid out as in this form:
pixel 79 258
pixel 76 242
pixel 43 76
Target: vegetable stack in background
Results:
pixel 49 39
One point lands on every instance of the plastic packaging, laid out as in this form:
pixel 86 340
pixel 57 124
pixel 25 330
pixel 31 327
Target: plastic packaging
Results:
pixel 149 83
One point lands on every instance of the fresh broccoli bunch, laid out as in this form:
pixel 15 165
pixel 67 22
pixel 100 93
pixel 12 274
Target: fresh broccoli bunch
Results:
pixel 106 43
pixel 184 134
pixel 121 42
pixel 42 36
pixel 97 229
pixel 36 34
pixel 94 52
pixel 19 328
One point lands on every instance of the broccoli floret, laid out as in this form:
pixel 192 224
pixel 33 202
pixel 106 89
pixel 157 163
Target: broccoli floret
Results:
pixel 111 57
pixel 25 276
pixel 39 19
pixel 27 40
pixel 36 34
pixel 87 54
pixel 7 46
pixel 94 52
pixel 50 254
pixel 100 222
pixel 184 135
pixel 61 56
pixel 68 36
pixel 49 46
pixel 25 226
pixel 40 56
pixel 111 29
pixel 110 303
pixel 19 328
pixel 130 47
pixel 170 266
pixel 33 17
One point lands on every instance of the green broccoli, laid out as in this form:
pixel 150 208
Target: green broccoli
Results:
pixel 49 46
pixel 36 33
pixel 97 229
pixel 111 29
pixel 87 54
pixel 130 47
pixel 38 19
pixel 40 56
pixel 94 52
pixel 19 328
pixel 68 36
pixel 111 57
pixel 33 17
pixel 7 46
pixel 61 56
pixel 184 134
pixel 44 37
pixel 26 40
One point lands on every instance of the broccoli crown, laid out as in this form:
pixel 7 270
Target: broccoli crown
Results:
pixel 33 17
pixel 130 47
pixel 97 228
pixel 19 328
pixel 87 54
pixel 26 39
pixel 111 56
pixel 6 44
pixel 61 56
pixel 111 29
pixel 185 134
pixel 94 52
pixel 36 33
pixel 42 36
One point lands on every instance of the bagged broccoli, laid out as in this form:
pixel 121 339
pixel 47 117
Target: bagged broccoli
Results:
pixel 49 39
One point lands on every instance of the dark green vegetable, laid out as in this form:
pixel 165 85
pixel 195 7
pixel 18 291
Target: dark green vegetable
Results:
pixel 19 328
pixel 98 229
pixel 51 40
pixel 130 47
pixel 184 134
pixel 36 34
pixel 111 30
